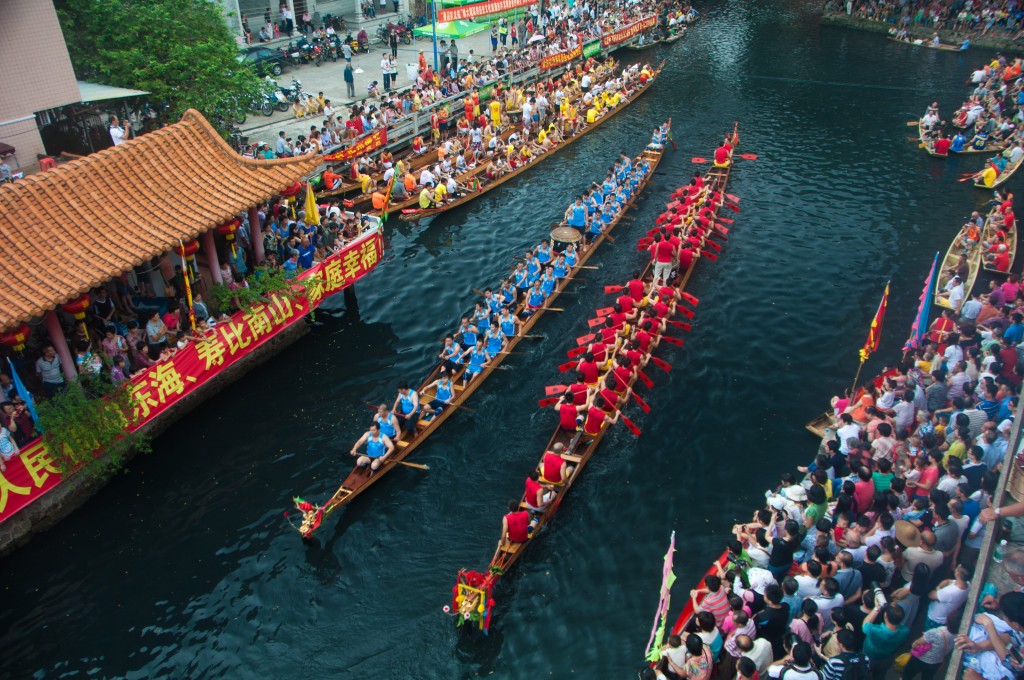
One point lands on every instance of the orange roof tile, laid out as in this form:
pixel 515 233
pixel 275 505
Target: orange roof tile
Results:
pixel 67 230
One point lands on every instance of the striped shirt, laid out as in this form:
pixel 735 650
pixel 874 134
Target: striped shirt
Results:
pixel 717 604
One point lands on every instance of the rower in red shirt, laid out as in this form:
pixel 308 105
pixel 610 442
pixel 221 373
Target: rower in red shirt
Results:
pixel 637 289
pixel 636 357
pixel 663 307
pixel 569 418
pixel 608 398
pixel 1001 260
pixel 609 332
pixel 941 145
pixel 722 157
pixel 588 367
pixel 626 303
pixel 623 374
pixel 537 495
pixel 698 180
pixel 516 526
pixel 580 391
pixel 645 340
pixel 553 468
pixel 596 418
pixel 686 256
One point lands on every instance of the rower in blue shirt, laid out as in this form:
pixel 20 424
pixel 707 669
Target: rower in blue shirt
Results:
pixel 520 277
pixel 386 421
pixel 508 322
pixel 548 281
pixel 378 447
pixel 495 339
pixel 480 315
pixel 478 358
pixel 560 269
pixel 444 392
pixel 450 354
pixel 570 255
pixel 406 407
pixel 493 303
pixel 980 140
pixel 534 298
pixel 508 293
pixel 576 215
pixel 467 333
pixel 544 252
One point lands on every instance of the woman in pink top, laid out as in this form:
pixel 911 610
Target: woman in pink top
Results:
pixel 928 479
pixel 807 626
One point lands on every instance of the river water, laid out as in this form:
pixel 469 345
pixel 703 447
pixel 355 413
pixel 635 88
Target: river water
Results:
pixel 185 566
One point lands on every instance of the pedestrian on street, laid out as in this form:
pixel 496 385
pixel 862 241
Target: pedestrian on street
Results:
pixel 350 80
pixel 385 67
pixel 454 52
pixel 393 42
pixel 346 50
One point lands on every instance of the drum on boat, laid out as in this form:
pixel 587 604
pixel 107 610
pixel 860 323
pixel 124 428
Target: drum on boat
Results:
pixel 563 236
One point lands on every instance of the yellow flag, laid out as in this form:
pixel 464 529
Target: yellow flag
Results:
pixel 312 212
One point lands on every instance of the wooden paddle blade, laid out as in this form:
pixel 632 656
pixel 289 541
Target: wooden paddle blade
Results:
pixel 672 341
pixel 599 321
pixel 567 366
pixel 612 289
pixel 585 339
pixel 579 351
pixel 630 425
pixel 644 406
pixel 551 401
pixel 688 313
pixel 648 383
pixel 663 365
pixel 726 220
pixel 734 199
pixel 555 390
pixel 681 324
pixel 605 311
pixel 698 159
pixel 692 299
pixel 913 123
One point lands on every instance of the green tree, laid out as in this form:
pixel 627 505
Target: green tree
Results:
pixel 179 50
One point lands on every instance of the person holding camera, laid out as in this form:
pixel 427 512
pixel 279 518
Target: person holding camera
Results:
pixel 796 665
pixel 881 640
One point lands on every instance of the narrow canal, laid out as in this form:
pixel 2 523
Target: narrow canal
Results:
pixel 185 566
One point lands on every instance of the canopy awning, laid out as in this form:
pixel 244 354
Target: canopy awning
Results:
pixel 72 228
pixel 452 29
pixel 94 92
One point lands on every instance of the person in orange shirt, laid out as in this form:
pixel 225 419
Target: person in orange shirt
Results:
pixel 331 179
pixel 378 199
pixel 409 182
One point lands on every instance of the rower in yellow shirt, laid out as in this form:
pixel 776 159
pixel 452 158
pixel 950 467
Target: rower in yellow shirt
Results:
pixel 496 112
pixel 591 115
pixel 541 136
pixel 440 191
pixel 425 200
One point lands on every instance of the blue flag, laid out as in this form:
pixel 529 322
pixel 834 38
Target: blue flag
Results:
pixel 24 394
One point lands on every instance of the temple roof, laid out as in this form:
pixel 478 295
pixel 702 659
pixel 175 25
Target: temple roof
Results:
pixel 67 230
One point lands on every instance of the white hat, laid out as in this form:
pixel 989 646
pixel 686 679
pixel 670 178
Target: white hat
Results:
pixel 796 493
pixel 1005 425
pixel 777 502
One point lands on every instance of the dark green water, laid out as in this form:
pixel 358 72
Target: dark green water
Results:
pixel 186 567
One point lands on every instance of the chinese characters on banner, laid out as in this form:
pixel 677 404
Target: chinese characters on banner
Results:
pixel 561 58
pixel 363 146
pixel 627 32
pixel 592 48
pixel 33 473
pixel 480 9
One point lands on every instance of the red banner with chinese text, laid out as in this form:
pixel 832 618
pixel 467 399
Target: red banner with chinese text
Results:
pixel 627 32
pixel 33 473
pixel 364 145
pixel 561 58
pixel 480 9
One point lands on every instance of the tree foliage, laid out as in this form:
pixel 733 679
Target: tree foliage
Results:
pixel 87 419
pixel 179 50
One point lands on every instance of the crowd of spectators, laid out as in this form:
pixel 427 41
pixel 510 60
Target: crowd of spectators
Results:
pixel 963 18
pixel 866 563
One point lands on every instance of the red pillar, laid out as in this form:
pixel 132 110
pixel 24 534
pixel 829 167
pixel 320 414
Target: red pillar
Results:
pixel 256 236
pixel 60 344
pixel 210 249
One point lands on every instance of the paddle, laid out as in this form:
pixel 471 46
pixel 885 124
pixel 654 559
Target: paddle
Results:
pixel 532 337
pixel 567 366
pixel 692 299
pixel 672 341
pixel 478 292
pixel 630 425
pixel 599 321
pixel 418 466
pixel 613 289
pixel 578 351
pixel 912 123
pixel 726 220
pixel 734 199
pixel 644 406
pixel 648 383
pixel 723 231
pixel 710 256
pixel 605 311
pixel 551 401
pixel 688 313
pixel 680 324
pixel 551 390
pixel 698 160
pixel 663 365
pixel 748 156
pixel 585 339
pixel 733 207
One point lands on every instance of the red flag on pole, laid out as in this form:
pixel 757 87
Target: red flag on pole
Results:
pixel 875 332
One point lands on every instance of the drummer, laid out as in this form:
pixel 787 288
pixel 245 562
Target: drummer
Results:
pixel 576 216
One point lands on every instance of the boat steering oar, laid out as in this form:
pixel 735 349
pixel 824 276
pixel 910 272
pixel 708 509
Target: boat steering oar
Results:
pixel 418 466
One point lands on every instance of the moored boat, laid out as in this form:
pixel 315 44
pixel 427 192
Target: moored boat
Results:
pixel 415 214
pixel 989 235
pixel 1001 178
pixel 919 42
pixel 360 479
pixel 949 265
